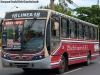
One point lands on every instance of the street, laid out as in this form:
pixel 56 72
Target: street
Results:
pixel 78 69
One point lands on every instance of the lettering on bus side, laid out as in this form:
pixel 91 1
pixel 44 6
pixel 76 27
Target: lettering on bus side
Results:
pixel 26 14
pixel 77 47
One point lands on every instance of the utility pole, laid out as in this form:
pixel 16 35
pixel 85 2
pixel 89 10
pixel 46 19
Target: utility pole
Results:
pixel 52 4
pixel 98 2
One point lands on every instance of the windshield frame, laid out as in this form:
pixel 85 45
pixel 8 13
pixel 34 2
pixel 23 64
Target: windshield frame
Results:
pixel 17 50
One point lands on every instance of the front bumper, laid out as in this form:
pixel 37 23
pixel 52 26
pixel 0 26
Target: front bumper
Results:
pixel 36 64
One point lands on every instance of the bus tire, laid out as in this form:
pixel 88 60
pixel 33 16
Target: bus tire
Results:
pixel 62 68
pixel 88 59
pixel 26 69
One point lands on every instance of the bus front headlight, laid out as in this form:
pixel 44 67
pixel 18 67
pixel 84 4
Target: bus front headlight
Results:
pixel 4 56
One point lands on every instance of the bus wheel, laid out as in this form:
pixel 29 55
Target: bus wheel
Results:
pixel 26 69
pixel 62 68
pixel 88 59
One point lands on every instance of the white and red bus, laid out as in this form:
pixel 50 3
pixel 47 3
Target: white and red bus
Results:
pixel 46 39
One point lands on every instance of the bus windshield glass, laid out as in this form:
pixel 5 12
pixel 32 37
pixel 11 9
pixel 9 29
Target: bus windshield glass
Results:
pixel 23 35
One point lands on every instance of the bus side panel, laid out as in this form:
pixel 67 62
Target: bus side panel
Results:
pixel 55 61
pixel 73 54
pixel 95 51
pixel 94 55
pixel 56 55
pixel 77 55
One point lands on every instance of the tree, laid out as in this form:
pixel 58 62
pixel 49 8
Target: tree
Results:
pixel 58 8
pixel 89 14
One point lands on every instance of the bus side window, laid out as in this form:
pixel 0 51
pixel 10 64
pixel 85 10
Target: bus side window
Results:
pixel 64 28
pixel 86 32
pixel 68 29
pixel 96 33
pixel 91 32
pixel 82 31
pixel 72 30
pixel 76 30
pixel 80 35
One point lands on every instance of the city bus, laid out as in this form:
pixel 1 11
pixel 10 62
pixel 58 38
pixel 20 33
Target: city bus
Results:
pixel 45 39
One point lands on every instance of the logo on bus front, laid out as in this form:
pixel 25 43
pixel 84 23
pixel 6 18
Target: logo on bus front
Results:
pixel 20 58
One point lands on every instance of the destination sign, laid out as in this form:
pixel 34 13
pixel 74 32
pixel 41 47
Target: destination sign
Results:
pixel 18 22
pixel 26 14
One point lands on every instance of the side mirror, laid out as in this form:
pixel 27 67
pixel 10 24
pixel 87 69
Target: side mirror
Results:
pixel 56 26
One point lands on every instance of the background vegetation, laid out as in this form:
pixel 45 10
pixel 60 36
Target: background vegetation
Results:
pixel 88 14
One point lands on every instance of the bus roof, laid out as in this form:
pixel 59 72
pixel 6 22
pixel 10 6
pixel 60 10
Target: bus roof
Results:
pixel 74 19
pixel 59 14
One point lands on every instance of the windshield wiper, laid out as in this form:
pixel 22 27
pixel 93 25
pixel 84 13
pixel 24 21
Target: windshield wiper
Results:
pixel 32 22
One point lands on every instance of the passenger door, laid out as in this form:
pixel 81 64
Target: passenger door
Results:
pixel 55 34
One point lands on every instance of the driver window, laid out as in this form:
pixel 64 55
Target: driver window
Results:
pixel 33 35
pixel 55 34
pixel 34 30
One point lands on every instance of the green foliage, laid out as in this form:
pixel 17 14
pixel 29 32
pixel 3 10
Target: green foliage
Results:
pixel 89 14
pixel 57 8
pixel 10 33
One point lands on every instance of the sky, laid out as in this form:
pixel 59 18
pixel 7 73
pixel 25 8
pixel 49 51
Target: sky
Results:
pixel 4 7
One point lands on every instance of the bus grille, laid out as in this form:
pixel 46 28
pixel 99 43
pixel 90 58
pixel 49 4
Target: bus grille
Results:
pixel 21 64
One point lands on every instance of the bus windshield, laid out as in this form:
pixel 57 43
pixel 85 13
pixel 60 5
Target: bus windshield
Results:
pixel 28 36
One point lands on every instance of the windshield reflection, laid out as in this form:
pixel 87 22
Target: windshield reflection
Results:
pixel 33 35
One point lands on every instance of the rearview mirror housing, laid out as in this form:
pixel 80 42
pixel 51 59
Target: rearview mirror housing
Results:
pixel 56 26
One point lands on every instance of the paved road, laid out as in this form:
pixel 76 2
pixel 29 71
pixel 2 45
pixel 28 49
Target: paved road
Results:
pixel 79 69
